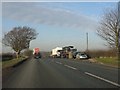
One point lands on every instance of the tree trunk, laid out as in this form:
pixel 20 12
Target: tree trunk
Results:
pixel 17 54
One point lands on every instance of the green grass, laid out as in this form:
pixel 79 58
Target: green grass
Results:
pixel 109 61
pixel 0 64
pixel 12 62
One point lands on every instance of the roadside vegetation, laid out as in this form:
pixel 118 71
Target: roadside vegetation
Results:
pixel 0 64
pixel 107 57
pixel 111 61
pixel 109 29
pixel 9 59
pixel 12 62
pixel 102 53
pixel 18 39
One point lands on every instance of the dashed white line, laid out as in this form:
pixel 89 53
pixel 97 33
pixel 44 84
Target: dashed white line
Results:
pixel 113 83
pixel 58 62
pixel 70 67
pixel 90 74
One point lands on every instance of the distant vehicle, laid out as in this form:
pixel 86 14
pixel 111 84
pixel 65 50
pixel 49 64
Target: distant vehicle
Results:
pixel 67 50
pixel 63 52
pixel 74 54
pixel 56 52
pixel 36 53
pixel 82 56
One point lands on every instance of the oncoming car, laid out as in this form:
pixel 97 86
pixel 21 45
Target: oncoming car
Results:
pixel 37 55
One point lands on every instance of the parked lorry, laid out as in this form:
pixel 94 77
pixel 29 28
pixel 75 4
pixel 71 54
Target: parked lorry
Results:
pixel 68 51
pixel 63 52
pixel 56 52
pixel 36 53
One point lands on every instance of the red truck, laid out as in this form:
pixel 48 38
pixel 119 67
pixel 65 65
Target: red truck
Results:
pixel 36 53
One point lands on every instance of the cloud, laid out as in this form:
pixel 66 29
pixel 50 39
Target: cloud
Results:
pixel 42 14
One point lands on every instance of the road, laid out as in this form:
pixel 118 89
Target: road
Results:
pixel 0 74
pixel 61 73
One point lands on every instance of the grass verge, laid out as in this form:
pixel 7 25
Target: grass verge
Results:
pixel 109 61
pixel 6 64
pixel 0 64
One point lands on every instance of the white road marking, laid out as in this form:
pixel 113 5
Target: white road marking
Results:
pixel 90 74
pixel 70 67
pixel 113 83
pixel 58 62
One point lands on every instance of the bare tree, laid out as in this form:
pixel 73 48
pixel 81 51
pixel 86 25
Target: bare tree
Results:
pixel 109 28
pixel 19 38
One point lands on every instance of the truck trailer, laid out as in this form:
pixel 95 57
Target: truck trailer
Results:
pixel 63 52
pixel 56 52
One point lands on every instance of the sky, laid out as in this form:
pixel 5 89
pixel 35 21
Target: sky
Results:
pixel 58 23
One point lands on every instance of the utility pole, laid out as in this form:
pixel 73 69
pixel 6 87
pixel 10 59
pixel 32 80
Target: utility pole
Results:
pixel 87 41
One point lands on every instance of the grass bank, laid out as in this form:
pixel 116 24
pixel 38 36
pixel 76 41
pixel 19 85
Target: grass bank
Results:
pixel 111 61
pixel 0 64
pixel 6 64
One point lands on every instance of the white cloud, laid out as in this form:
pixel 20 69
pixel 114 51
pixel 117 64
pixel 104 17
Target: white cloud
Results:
pixel 41 14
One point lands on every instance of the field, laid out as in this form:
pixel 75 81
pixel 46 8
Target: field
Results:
pixel 112 61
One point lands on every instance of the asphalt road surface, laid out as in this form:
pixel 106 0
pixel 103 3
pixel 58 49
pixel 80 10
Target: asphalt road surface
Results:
pixel 61 73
